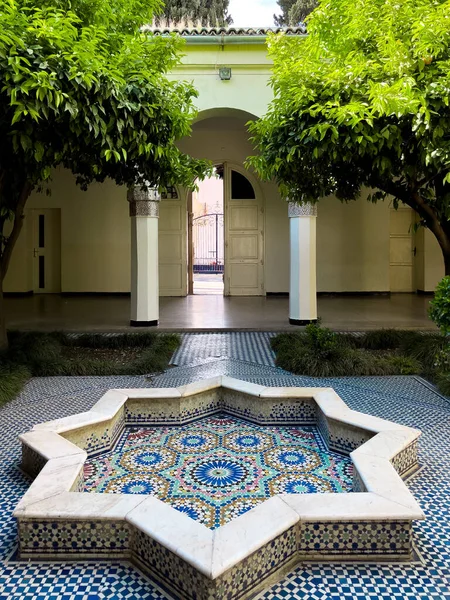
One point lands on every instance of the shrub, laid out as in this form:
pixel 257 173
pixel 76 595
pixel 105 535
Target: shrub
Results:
pixel 399 365
pixel 443 383
pixel 381 339
pixel 319 352
pixel 12 379
pixel 123 340
pixel 41 355
pixel 321 340
pixel 440 306
pixel 316 352
pixel 423 347
pixel 29 348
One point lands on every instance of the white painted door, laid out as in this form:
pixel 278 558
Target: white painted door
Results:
pixel 172 245
pixel 46 229
pixel 244 235
pixel 401 265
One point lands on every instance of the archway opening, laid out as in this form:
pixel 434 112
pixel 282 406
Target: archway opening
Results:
pixel 208 247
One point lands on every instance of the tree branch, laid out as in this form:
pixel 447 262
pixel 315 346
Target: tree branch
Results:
pixel 17 227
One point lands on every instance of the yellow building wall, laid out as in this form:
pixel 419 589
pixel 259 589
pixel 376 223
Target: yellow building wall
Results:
pixel 95 238
pixel 429 263
pixel 352 246
pixel 352 240
pixel 247 90
pixel 19 276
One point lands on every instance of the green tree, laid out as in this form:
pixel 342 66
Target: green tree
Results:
pixel 205 13
pixel 282 19
pixel 293 12
pixel 300 10
pixel 363 101
pixel 83 88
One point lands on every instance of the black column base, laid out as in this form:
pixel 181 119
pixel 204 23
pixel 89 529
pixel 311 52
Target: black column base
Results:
pixel 302 322
pixel 143 323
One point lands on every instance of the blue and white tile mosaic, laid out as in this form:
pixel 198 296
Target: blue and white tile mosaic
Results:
pixel 408 400
pixel 249 346
pixel 218 467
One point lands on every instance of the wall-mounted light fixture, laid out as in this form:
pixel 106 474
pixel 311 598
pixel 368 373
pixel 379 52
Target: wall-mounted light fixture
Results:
pixel 225 73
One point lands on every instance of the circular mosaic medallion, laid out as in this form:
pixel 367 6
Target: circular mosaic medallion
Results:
pixel 289 435
pixel 248 440
pixel 147 458
pixel 296 484
pixel 92 471
pixel 138 483
pixel 219 472
pixel 292 458
pixel 188 442
pixel 219 477
pixel 136 486
pixel 196 509
pixel 221 422
pixel 143 435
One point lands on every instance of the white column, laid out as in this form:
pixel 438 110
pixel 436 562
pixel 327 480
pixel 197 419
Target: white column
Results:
pixel 302 285
pixel 144 212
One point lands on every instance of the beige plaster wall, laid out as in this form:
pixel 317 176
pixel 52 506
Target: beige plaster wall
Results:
pixel 95 238
pixel 19 275
pixel 248 89
pixel 352 246
pixel 429 263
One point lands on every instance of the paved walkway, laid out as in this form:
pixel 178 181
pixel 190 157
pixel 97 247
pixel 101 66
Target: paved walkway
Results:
pixel 214 312
pixel 408 400
pixel 208 283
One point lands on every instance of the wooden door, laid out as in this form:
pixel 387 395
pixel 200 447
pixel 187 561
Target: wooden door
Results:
pixel 172 245
pixel 244 231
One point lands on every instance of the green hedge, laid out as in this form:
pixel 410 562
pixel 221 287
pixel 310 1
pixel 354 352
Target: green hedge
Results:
pixel 42 355
pixel 320 352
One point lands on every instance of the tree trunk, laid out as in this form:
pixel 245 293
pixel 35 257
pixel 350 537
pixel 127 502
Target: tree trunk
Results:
pixel 444 243
pixel 6 253
pixel 446 256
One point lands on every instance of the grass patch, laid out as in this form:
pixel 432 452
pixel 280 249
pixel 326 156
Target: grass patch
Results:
pixel 320 352
pixel 381 339
pixel 443 383
pixel 12 379
pixel 50 354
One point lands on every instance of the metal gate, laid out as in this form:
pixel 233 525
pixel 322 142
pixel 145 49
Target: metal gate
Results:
pixel 207 236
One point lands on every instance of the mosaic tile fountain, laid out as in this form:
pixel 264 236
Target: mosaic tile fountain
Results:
pixel 218 488
pixel 218 467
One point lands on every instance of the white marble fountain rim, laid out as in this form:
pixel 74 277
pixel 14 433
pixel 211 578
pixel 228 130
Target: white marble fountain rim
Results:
pixel 212 552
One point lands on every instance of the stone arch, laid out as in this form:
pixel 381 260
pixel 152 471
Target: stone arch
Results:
pixel 223 111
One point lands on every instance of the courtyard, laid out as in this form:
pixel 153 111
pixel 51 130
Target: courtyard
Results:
pixel 221 377
pixel 408 400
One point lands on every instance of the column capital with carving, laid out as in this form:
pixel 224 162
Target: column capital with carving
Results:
pixel 144 202
pixel 302 210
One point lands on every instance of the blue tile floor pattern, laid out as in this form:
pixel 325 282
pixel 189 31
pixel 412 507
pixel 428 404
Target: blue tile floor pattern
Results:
pixel 219 467
pixel 252 346
pixel 407 400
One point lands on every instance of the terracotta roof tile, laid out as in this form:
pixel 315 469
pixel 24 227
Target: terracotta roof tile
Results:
pixel 229 31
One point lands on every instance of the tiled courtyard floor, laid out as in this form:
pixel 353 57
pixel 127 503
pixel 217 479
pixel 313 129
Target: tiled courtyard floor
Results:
pixel 408 400
pixel 203 312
